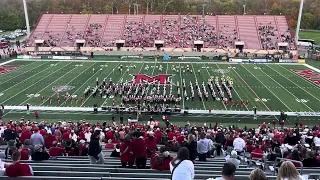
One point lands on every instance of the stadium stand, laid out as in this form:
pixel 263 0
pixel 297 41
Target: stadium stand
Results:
pixel 177 31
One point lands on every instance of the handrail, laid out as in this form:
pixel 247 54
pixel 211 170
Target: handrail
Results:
pixel 104 29
pixel 49 22
pixel 285 159
pixel 65 30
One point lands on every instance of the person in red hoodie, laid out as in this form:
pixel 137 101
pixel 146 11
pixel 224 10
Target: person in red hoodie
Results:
pixel 139 149
pixel 160 161
pixel 126 152
pixel 25 134
pixel 17 169
pixel 151 143
pixel 49 140
pixel 257 153
pixel 171 135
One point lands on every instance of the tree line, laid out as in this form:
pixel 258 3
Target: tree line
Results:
pixel 12 14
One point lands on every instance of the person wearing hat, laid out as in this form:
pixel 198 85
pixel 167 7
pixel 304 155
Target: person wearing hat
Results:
pixel 36 138
pixel 40 154
pixel 95 150
pixel 27 144
pixel 233 159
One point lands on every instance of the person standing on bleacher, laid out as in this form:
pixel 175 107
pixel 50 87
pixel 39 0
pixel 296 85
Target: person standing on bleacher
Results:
pixel 95 149
pixel 139 149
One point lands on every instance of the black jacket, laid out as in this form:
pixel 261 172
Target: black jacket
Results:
pixel 40 156
pixel 310 162
pixel 220 138
pixel 94 148
pixel 9 135
pixel 192 147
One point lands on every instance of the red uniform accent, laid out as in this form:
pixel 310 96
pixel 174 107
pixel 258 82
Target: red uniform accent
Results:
pixel 36 114
pixel 76 100
pixel 237 103
pixel 247 103
pixel 18 169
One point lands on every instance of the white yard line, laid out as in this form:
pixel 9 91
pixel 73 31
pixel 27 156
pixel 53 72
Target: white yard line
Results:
pixel 7 62
pixel 36 82
pixel 69 83
pixel 236 92
pixel 22 73
pixel 305 79
pixel 111 72
pixel 181 88
pixel 294 83
pixel 195 76
pixel 311 67
pixel 209 77
pixel 267 88
pixel 30 78
pixel 286 89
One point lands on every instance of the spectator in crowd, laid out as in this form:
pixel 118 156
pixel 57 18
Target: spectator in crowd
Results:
pixel 151 142
pixel 17 169
pixel 10 148
pixel 24 152
pixel 311 160
pixel 181 167
pixel 27 144
pixel 160 161
pixel 37 138
pixel 202 147
pixel 87 135
pixel 109 145
pixel 126 152
pixel 40 154
pixel 228 172
pixel 239 144
pixel 273 155
pixel 220 139
pixel 139 150
pixel 287 170
pixel 9 134
pixel 73 136
pixel 233 159
pixel 116 151
pixel 257 153
pixel 25 134
pixel 55 150
pixel 95 150
pixel 191 145
pixel 83 148
pixel 49 139
pixel 257 174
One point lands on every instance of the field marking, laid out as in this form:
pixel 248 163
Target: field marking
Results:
pixel 295 83
pixel 69 83
pixel 305 79
pixel 286 89
pixel 183 105
pixel 311 67
pixel 267 88
pixel 154 67
pixel 7 62
pixel 51 84
pixel 23 72
pixel 236 92
pixel 29 78
pixel 111 72
pixel 36 82
pixel 195 75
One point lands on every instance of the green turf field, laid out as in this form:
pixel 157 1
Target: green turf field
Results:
pixel 268 87
pixel 310 35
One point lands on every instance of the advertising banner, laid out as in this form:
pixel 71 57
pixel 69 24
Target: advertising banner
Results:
pixel 302 61
pixel 235 60
pixel 288 61
pixel 62 57
pixel 81 58
pixel 259 60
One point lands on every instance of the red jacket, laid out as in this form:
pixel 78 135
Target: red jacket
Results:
pixel 128 155
pixel 56 151
pixel 151 143
pixel 180 139
pixel 81 135
pixel 139 148
pixel 109 146
pixel 66 136
pixel 163 166
pixel 24 154
pixel 49 140
pixel 109 135
pixel 158 135
pixel 257 156
pixel 25 135
pixel 171 135
pixel 43 132
pixel 18 169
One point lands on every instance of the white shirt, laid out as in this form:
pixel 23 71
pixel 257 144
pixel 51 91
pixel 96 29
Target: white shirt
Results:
pixel 238 144
pixel 87 135
pixel 316 140
pixel 185 170
pixel 74 137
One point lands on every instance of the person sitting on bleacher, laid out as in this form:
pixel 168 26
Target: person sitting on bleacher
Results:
pixel 311 160
pixel 109 145
pixel 288 171
pixel 55 150
pixel 239 144
pixel 40 154
pixel 160 161
pixel 18 169
pixel 257 174
pixel 24 151
pixel 272 156
pixel 228 172
pixel 116 151
pixel 233 158
pixel 257 153
pixel 49 139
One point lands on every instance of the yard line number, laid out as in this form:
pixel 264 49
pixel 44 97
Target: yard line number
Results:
pixel 302 100
pixel 33 95
pixel 1 94
pixel 261 100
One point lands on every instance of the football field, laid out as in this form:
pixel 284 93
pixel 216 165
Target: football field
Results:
pixel 269 87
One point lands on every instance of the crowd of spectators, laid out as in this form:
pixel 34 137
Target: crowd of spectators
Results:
pixel 268 36
pixel 134 143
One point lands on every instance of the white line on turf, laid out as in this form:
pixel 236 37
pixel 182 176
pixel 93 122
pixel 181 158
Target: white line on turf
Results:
pixel 183 105
pixel 210 76
pixel 70 82
pixel 311 67
pixel 295 83
pixel 305 79
pixel 31 77
pixel 36 82
pixel 195 75
pixel 111 72
pixel 7 62
pixel 286 89
pixel 267 88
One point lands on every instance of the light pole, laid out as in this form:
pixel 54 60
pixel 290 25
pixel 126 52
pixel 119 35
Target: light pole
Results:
pixel 203 6
pixel 26 17
pixel 244 9
pixel 299 20
pixel 136 8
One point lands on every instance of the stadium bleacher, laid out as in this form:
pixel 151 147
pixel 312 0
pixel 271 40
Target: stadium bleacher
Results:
pixel 177 31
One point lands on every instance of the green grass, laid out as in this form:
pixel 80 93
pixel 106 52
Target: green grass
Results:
pixel 310 35
pixel 275 84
